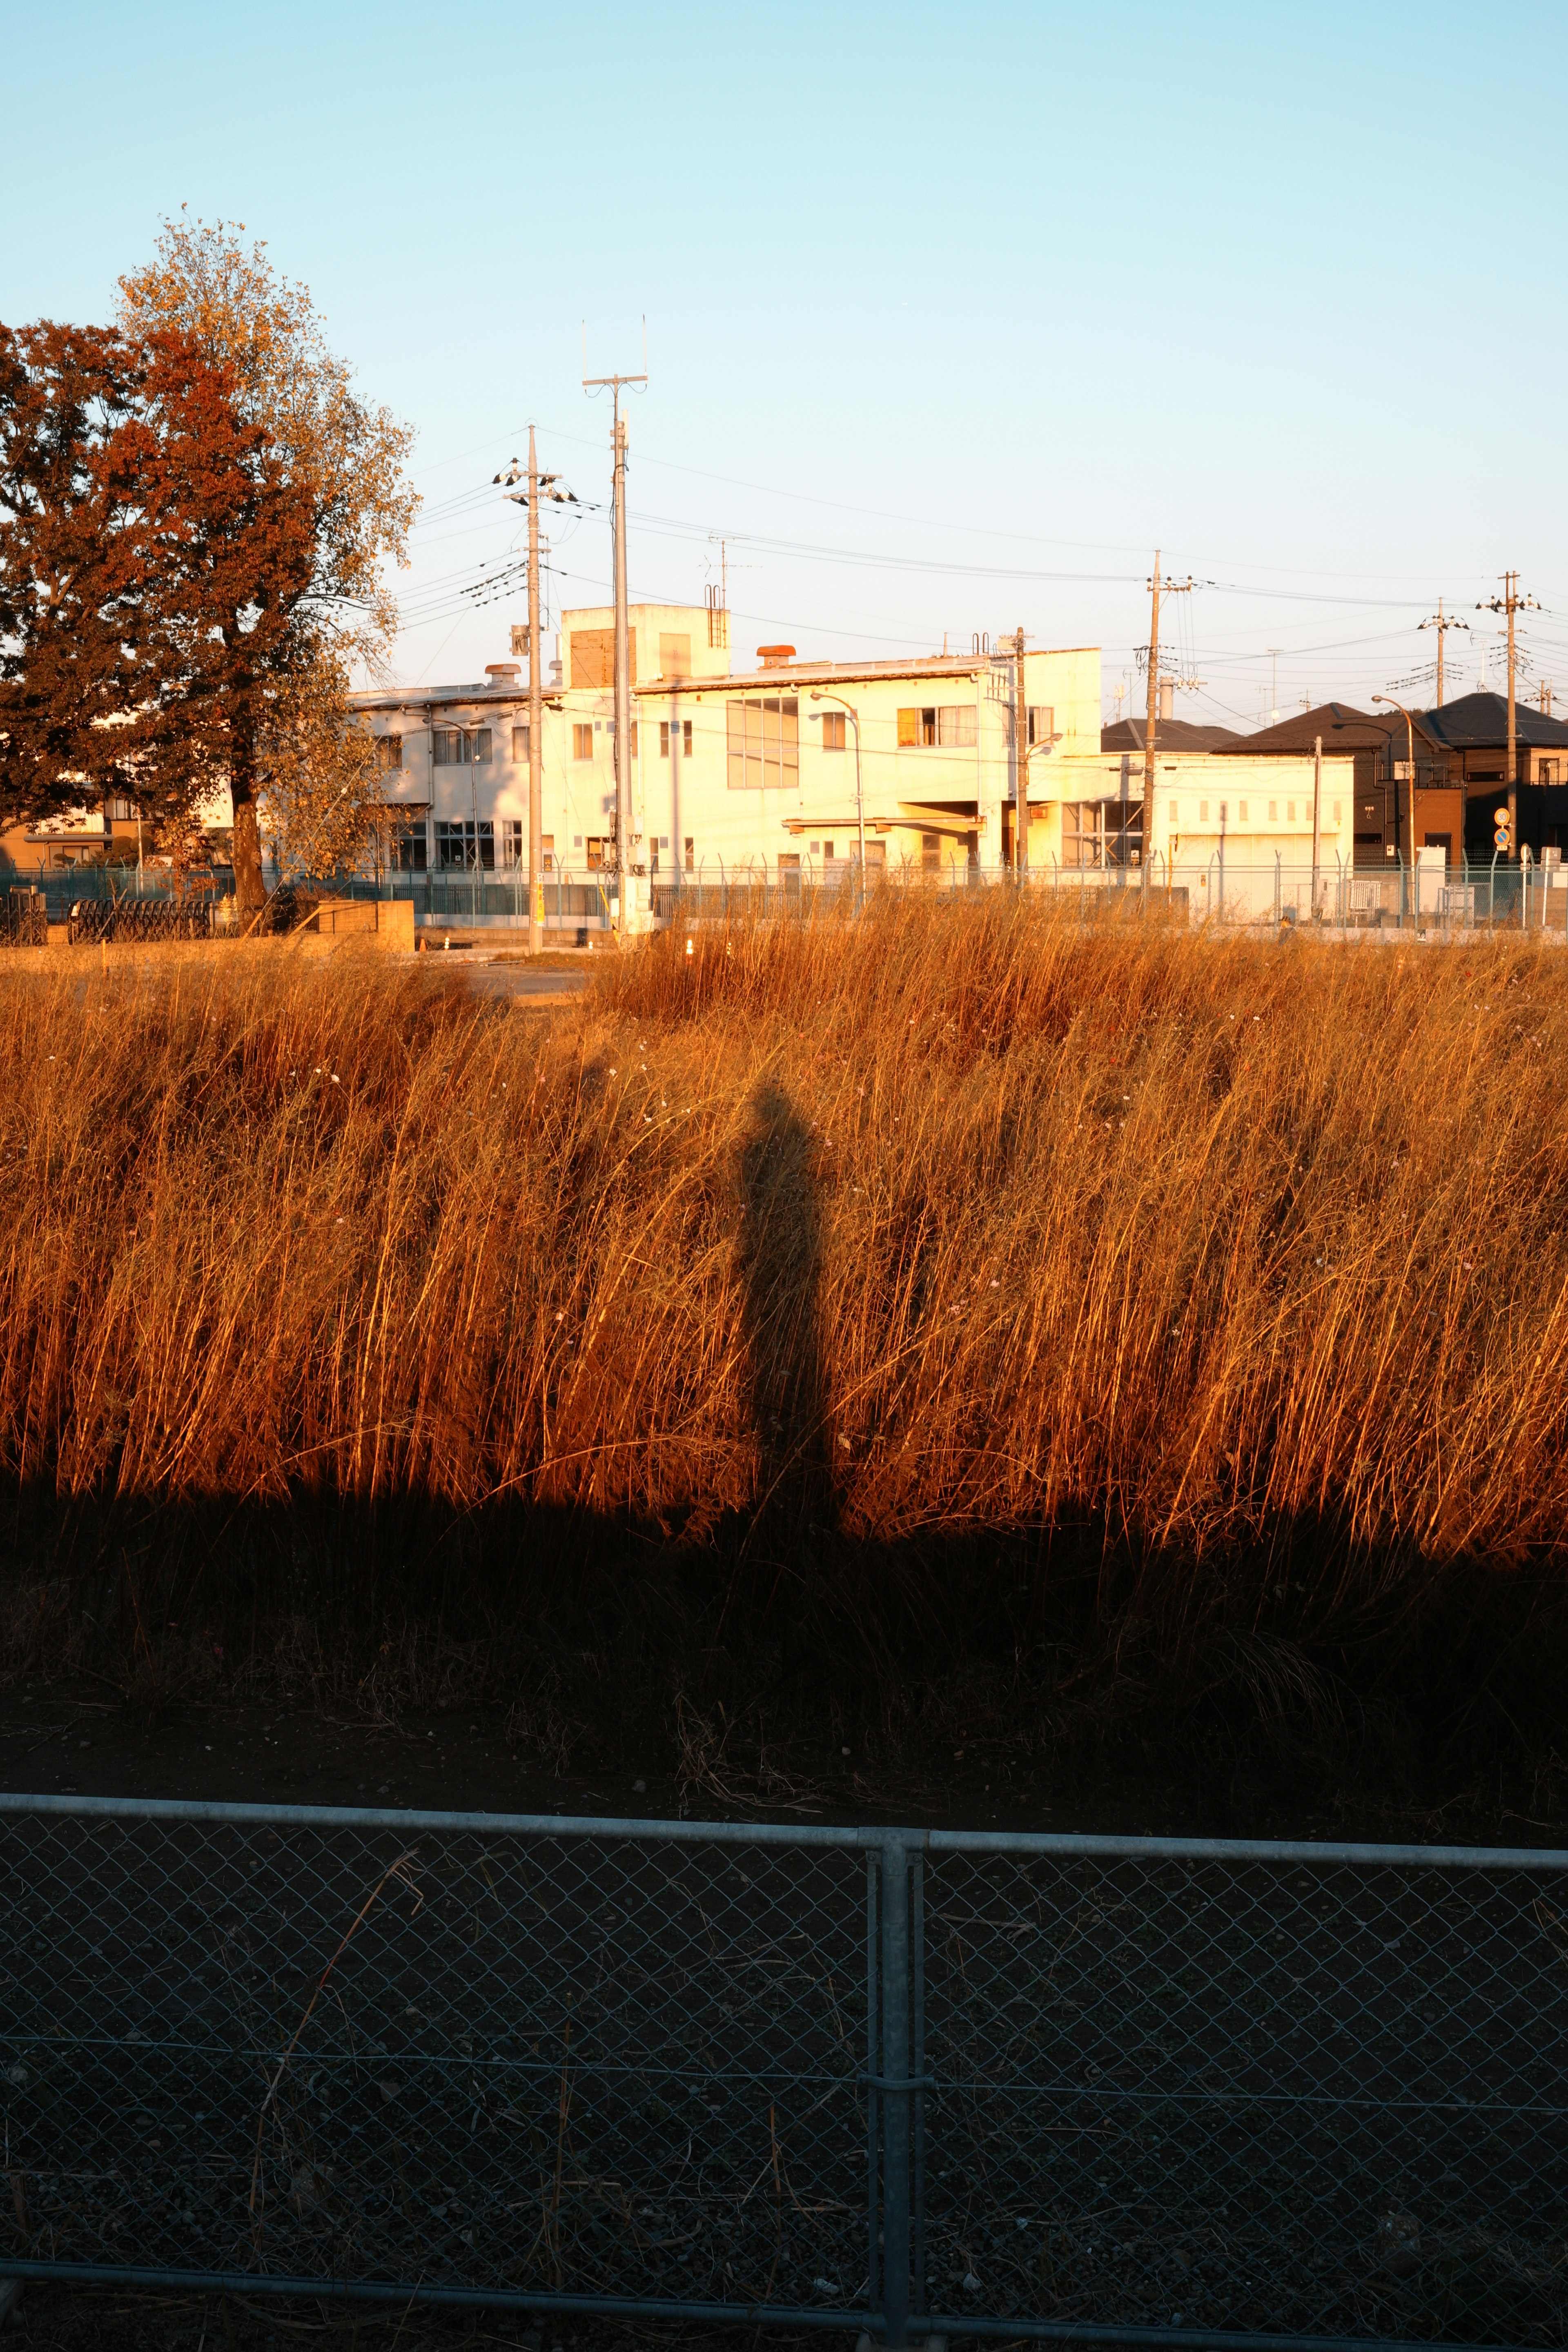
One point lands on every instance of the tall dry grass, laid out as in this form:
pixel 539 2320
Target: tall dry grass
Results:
pixel 1240 1264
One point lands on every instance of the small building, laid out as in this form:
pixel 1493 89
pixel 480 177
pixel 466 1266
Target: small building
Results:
pixel 1234 833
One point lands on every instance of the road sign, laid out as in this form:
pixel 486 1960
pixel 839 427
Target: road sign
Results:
pixel 1500 816
pixel 1500 837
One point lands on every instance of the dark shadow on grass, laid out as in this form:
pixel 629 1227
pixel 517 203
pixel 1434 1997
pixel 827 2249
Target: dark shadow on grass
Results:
pixel 781 1262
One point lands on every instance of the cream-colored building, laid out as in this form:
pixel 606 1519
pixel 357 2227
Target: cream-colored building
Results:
pixel 771 771
pixel 1235 833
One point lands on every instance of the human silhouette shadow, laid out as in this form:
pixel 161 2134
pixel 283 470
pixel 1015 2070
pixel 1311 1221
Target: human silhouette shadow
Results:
pixel 781 1262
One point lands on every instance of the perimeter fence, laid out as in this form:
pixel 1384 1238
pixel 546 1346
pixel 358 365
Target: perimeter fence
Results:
pixel 906 2083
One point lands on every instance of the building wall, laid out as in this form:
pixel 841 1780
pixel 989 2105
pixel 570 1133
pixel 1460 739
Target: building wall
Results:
pixel 946 801
pixel 1213 811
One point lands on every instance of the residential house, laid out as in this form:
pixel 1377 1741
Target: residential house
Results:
pixel 1471 735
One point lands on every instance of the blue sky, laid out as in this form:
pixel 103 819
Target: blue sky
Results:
pixel 951 319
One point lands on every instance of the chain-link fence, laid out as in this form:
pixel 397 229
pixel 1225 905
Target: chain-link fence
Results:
pixel 902 2082
pixel 24 918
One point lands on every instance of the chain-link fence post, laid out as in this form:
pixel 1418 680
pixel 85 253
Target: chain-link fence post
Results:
pixel 896 2117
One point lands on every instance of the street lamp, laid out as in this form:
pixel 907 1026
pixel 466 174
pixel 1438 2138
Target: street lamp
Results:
pixel 817 695
pixel 1025 754
pixel 1410 780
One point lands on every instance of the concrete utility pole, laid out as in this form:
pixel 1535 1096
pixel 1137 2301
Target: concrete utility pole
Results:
pixel 1442 622
pixel 1020 760
pixel 622 683
pixel 1158 588
pixel 1316 816
pixel 1510 601
pixel 540 486
pixel 535 720
pixel 1152 720
pixel 622 648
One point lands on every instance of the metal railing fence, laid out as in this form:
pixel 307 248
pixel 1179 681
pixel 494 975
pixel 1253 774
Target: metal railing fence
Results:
pixel 905 2082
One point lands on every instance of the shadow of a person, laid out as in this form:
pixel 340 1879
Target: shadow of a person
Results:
pixel 781 1257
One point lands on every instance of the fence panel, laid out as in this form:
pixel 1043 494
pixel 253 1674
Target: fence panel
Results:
pixel 891 2080
pixel 475 2061
pixel 1311 2098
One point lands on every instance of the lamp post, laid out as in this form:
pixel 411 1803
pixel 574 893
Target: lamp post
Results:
pixel 1410 781
pixel 1026 752
pixel 817 695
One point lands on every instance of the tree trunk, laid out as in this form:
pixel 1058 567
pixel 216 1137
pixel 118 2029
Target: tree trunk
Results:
pixel 249 889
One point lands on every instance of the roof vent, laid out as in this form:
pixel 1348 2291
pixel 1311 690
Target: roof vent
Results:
pixel 774 656
pixel 502 673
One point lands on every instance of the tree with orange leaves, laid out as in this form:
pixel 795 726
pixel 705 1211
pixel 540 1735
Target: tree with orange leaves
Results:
pixel 153 553
pixel 344 460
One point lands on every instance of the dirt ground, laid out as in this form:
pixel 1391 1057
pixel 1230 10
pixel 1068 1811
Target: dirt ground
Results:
pixel 75 1739
pixel 62 2319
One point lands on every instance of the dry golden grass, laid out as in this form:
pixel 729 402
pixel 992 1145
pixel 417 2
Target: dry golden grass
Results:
pixel 1246 1258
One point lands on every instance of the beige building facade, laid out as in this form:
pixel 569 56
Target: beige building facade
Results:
pixel 771 770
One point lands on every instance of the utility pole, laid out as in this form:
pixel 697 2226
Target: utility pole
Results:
pixel 535 720
pixel 539 485
pixel 1152 721
pixel 1442 622
pixel 1020 760
pixel 1157 587
pixel 622 648
pixel 1510 601
pixel 1316 816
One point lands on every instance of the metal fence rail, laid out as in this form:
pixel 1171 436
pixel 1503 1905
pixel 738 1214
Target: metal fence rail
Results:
pixel 911 2082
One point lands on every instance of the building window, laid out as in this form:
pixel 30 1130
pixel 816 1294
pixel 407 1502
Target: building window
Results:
pixel 511 840
pixel 118 809
pixel 1336 816
pixel 789 861
pixel 520 743
pixel 601 853
pixel 762 742
pixel 1290 812
pixel 1042 723
pixel 547 851
pixel 1176 817
pixel 690 855
pixel 1202 812
pixel 930 853
pixel 1241 813
pixel 582 740
pixel 410 849
pixel 684 739
pixel 834 725
pixel 952 723
pixel 1101 833
pixel 389 752
pixel 455 845
pixel 1273 812
pixel 828 851
pixel 456 747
